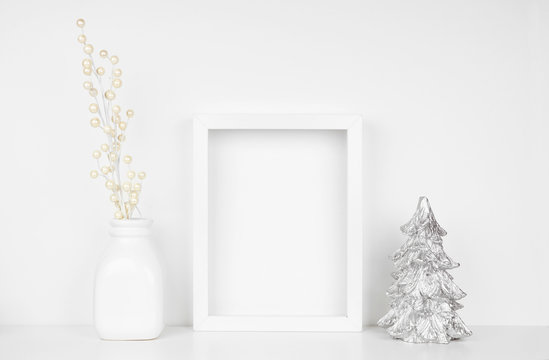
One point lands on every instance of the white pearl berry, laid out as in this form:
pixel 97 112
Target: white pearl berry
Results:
pixel 110 95
pixel 108 130
pixel 88 48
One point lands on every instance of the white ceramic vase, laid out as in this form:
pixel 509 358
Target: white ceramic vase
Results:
pixel 129 297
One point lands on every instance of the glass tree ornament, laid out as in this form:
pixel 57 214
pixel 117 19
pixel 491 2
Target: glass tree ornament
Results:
pixel 424 298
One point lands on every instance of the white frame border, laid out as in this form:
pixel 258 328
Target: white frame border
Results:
pixel 352 124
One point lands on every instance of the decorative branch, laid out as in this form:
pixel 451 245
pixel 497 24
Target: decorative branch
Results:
pixel 123 195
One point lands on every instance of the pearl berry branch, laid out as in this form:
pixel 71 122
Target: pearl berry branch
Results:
pixel 107 117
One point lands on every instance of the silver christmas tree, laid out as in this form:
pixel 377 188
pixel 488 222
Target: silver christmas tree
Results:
pixel 424 296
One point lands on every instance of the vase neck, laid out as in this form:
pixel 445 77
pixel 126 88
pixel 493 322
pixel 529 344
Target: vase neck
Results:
pixel 131 229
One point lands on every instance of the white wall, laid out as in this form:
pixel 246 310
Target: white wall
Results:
pixel 454 100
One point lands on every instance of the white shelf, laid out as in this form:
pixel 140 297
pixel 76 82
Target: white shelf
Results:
pixel 59 343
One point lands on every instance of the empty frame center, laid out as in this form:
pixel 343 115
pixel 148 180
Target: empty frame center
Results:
pixel 277 222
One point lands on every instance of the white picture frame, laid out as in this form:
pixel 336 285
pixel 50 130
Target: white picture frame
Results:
pixel 351 319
